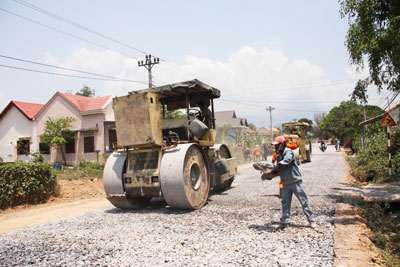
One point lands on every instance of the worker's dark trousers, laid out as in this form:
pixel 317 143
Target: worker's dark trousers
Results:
pixel 287 193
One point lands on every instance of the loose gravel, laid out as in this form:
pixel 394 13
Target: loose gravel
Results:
pixel 235 228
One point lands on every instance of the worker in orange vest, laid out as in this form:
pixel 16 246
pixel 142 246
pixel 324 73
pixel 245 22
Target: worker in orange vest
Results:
pixel 257 153
pixel 292 145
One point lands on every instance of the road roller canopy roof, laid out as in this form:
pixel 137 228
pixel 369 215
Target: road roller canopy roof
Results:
pixel 177 91
pixel 292 124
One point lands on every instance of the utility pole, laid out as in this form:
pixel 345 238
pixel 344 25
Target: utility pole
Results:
pixel 364 127
pixel 270 109
pixel 148 64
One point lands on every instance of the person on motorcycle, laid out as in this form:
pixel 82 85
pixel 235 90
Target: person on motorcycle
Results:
pixel 322 145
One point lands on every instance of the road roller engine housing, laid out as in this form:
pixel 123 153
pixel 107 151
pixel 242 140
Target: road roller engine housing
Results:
pixel 160 155
pixel 297 130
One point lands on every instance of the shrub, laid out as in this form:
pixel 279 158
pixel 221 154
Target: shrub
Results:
pixel 37 157
pixel 26 183
pixel 371 161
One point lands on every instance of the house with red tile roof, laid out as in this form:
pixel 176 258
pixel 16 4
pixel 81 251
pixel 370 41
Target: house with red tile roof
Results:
pixel 92 120
pixel 22 124
pixel 266 131
pixel 17 130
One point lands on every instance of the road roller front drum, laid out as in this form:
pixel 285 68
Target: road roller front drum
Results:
pixel 184 177
pixel 113 184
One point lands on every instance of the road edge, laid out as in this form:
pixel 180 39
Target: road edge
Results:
pixel 352 246
pixel 16 221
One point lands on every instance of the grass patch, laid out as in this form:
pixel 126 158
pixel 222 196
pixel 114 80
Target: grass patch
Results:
pixel 83 170
pixel 383 221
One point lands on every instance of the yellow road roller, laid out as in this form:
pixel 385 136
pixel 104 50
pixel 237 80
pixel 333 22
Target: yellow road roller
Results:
pixel 162 154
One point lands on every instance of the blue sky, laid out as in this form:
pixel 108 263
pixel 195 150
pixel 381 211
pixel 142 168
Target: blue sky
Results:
pixel 288 55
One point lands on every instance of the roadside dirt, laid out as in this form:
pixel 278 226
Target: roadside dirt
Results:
pixel 353 246
pixel 76 197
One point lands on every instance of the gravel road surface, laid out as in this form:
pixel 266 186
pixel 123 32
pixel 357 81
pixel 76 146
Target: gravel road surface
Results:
pixel 235 228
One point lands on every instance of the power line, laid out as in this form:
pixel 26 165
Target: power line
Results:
pixel 68 34
pixel 53 15
pixel 85 72
pixel 60 74
pixel 391 100
pixel 63 32
pixel 380 101
pixel 48 13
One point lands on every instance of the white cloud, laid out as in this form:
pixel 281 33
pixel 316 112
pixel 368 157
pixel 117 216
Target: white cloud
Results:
pixel 260 77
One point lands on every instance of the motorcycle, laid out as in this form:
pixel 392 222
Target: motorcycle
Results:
pixel 323 147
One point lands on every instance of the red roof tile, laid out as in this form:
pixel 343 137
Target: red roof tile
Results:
pixel 29 109
pixel 251 131
pixel 84 103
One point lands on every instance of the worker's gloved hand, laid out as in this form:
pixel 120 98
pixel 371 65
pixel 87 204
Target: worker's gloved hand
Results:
pixel 275 169
pixel 270 174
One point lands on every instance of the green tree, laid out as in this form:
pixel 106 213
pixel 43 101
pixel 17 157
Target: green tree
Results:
pixel 57 132
pixel 373 34
pixel 317 131
pixel 343 121
pixel 252 126
pixel 86 91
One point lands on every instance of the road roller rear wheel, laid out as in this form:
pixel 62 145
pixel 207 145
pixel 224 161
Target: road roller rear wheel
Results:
pixel 223 151
pixel 184 177
pixel 224 154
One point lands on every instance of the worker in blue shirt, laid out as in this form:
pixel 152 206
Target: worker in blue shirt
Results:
pixel 338 145
pixel 292 182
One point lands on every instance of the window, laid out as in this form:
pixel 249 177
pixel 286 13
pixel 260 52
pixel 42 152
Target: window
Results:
pixel 23 147
pixel 112 138
pixel 70 146
pixel 88 144
pixel 44 148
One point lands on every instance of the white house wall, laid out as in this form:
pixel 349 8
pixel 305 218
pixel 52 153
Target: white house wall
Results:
pixel 109 112
pixel 94 121
pixel 57 108
pixel 15 125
